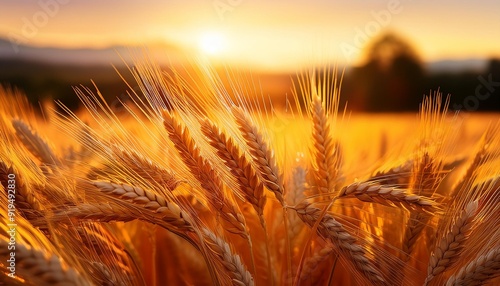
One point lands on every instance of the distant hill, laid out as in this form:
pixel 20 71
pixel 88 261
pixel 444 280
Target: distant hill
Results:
pixel 454 66
pixel 40 80
pixel 85 56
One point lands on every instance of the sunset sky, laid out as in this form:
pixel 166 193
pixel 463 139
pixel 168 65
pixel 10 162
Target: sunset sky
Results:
pixel 272 34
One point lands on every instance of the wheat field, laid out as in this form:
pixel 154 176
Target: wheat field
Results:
pixel 196 183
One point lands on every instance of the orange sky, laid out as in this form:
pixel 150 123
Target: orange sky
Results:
pixel 272 34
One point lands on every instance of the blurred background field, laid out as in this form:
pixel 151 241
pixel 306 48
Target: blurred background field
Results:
pixel 391 52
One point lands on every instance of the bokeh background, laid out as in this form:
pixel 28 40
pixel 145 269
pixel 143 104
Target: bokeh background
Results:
pixel 390 52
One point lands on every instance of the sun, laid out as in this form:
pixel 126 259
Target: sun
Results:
pixel 212 43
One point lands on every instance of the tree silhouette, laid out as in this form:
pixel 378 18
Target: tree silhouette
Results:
pixel 391 77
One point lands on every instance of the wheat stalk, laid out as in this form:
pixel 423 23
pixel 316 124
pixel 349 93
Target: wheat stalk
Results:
pixel 452 243
pixel 103 275
pixel 313 263
pixel 244 173
pixel 425 178
pixel 95 250
pixel 262 155
pixel 248 181
pixel 416 224
pixel 375 193
pixel 25 200
pixel 97 238
pixel 480 158
pixel 332 230
pixel 295 194
pixel 265 162
pixel 426 175
pixel 326 156
pixel 38 268
pixel 479 271
pixel 98 212
pixel 399 175
pixel 123 212
pixel 205 174
pixel 231 262
pixel 145 168
pixel 169 211
pixel 34 143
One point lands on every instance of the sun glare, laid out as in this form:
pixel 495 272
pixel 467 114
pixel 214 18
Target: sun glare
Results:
pixel 212 43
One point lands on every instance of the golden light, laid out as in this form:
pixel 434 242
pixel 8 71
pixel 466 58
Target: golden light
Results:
pixel 212 43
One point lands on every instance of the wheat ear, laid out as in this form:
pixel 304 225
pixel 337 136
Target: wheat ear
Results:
pixel 248 181
pixel 262 155
pixel 121 211
pixel 452 243
pixel 375 193
pixel 103 275
pixel 35 267
pixel 332 230
pixel 416 224
pixel 169 211
pixel 25 200
pixel 98 212
pixel 399 175
pixel 295 194
pixel 265 162
pixel 425 177
pixel 480 158
pixel 326 156
pixel 111 251
pixel 479 271
pixel 205 174
pixel 34 143
pixel 231 262
pixel 145 168
pixel 313 263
